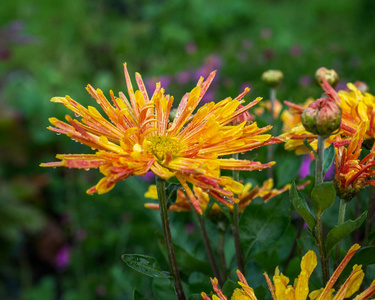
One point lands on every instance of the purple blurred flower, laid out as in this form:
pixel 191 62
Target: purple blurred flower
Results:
pixel 190 228
pixel 247 44
pixel 62 258
pixel 331 173
pixel 295 51
pixel 305 80
pixel 242 56
pixel 191 48
pixel 305 167
pixel 151 82
pixel 266 33
pixel 208 96
pixel 183 77
pixel 81 234
pixel 149 176
pixel 268 54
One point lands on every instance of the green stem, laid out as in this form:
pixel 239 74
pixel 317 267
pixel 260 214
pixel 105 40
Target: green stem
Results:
pixel 236 226
pixel 370 214
pixel 340 221
pixel 270 148
pixel 319 157
pixel 221 250
pixel 160 185
pixel 210 253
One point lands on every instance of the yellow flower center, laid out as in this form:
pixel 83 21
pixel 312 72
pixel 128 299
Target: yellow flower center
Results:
pixel 159 146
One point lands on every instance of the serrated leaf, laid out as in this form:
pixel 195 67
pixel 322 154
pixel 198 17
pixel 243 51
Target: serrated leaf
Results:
pixel 262 224
pixel 323 195
pixel 138 296
pixel 337 233
pixel 329 157
pixel 301 206
pixel 146 265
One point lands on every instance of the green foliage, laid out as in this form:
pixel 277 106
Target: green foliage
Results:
pixel 329 157
pixel 337 233
pixel 262 224
pixel 146 265
pixel 301 206
pixel 323 195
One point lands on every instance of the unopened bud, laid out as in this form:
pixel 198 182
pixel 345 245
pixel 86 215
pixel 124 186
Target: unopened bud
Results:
pixel 361 86
pixel 244 117
pixel 272 77
pixel 329 75
pixel 322 117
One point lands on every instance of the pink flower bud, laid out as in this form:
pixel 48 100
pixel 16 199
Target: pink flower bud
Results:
pixel 322 117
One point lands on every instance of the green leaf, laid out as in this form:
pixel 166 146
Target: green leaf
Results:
pixel 187 263
pixel 301 206
pixel 337 233
pixel 171 193
pixel 262 224
pixel 163 289
pixel 195 297
pixel 208 208
pixel 225 210
pixel 137 295
pixel 329 157
pixel 308 146
pixel 146 265
pixel 229 287
pixel 364 256
pixel 323 195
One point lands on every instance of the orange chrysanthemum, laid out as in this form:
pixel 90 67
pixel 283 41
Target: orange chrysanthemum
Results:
pixel 352 173
pixel 281 289
pixel 138 137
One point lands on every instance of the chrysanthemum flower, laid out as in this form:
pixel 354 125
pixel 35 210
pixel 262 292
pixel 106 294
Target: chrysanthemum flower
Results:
pixel 137 136
pixel 266 192
pixel 281 290
pixel 352 173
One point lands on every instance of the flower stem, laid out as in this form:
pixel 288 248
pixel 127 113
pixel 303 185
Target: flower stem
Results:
pixel 236 226
pixel 319 218
pixel 340 221
pixel 370 215
pixel 270 148
pixel 210 253
pixel 319 157
pixel 160 185
pixel 221 249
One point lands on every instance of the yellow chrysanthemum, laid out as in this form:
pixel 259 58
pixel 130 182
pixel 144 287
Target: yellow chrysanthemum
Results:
pixel 266 191
pixel 352 173
pixel 137 136
pixel 281 290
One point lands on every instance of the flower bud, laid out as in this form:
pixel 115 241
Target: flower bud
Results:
pixel 329 75
pixel 361 86
pixel 244 117
pixel 322 117
pixel 272 77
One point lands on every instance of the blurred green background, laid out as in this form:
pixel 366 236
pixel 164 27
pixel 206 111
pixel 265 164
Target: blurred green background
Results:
pixel 59 243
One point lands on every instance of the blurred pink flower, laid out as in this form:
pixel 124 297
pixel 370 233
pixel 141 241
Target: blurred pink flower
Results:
pixel 305 80
pixel 62 258
pixel 190 48
pixel 295 51
pixel 266 33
